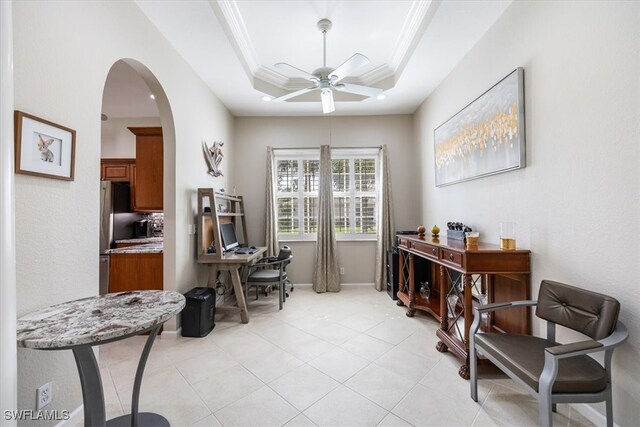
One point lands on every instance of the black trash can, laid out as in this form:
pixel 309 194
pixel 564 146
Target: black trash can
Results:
pixel 199 312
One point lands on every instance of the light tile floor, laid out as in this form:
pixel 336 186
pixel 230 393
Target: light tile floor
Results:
pixel 349 358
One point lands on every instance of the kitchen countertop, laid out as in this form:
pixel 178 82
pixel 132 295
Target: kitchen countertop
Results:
pixel 149 248
pixel 142 240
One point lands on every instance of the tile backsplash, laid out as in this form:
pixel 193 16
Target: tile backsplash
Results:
pixel 157 223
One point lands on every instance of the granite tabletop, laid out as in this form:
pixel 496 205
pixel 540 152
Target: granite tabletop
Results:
pixel 142 240
pixel 96 319
pixel 149 248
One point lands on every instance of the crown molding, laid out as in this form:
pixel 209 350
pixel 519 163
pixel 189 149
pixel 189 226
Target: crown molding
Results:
pixel 412 30
pixel 231 20
pixel 376 75
pixel 276 79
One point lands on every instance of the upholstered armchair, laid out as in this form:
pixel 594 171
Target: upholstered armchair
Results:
pixel 552 372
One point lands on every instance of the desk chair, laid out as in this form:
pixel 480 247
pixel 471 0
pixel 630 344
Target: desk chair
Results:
pixel 552 372
pixel 269 272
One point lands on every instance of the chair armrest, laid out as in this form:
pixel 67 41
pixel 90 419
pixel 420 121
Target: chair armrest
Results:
pixel 274 264
pixel 574 349
pixel 619 335
pixel 553 354
pixel 495 306
pixel 580 348
pixel 260 265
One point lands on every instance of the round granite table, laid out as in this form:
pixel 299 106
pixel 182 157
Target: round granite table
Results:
pixel 81 324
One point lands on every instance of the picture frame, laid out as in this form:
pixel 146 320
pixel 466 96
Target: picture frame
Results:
pixel 486 137
pixel 43 148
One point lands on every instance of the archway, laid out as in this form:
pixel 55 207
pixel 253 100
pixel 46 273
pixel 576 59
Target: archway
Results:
pixel 168 180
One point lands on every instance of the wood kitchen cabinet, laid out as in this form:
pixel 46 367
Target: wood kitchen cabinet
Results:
pixel 116 170
pixel 135 271
pixel 148 174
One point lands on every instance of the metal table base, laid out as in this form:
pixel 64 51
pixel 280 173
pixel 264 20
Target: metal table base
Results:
pixel 93 396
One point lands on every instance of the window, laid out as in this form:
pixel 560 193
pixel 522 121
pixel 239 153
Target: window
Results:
pixel 355 193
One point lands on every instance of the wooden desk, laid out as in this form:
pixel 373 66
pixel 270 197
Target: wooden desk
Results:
pixel 232 263
pixel 464 273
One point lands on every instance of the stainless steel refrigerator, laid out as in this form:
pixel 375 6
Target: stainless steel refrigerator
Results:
pixel 116 222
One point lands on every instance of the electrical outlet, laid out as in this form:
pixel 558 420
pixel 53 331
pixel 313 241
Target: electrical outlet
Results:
pixel 43 396
pixel 192 229
pixel 342 271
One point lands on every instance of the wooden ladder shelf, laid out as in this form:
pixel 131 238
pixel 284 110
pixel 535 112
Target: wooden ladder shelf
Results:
pixel 224 208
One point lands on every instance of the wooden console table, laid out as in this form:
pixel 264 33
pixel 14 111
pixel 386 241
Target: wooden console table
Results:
pixel 459 276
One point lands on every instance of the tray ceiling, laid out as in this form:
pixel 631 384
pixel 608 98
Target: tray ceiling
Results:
pixel 233 46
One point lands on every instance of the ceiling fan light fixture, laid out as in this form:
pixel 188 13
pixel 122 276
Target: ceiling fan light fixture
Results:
pixel 266 98
pixel 381 97
pixel 326 96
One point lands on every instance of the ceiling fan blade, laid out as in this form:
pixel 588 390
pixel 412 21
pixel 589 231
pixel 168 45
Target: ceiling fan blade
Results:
pixel 327 101
pixel 295 72
pixel 348 67
pixel 294 94
pixel 358 89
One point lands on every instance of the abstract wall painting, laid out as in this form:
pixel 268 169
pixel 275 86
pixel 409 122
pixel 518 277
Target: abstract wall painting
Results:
pixel 484 138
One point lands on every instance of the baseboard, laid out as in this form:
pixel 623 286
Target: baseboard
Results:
pixel 171 335
pixel 308 285
pixel 357 284
pixel 590 413
pixel 74 417
pixel 302 285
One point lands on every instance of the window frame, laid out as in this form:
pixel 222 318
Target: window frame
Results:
pixel 353 154
pixel 300 155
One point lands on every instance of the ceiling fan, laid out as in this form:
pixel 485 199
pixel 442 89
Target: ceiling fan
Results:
pixel 326 79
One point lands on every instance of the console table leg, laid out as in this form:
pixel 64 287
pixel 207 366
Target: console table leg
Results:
pixel 468 318
pixel 464 372
pixel 92 395
pixel 442 347
pixel 444 311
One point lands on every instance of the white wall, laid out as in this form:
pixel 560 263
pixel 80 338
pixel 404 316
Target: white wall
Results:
pixel 63 52
pixel 118 142
pixel 254 134
pixel 576 204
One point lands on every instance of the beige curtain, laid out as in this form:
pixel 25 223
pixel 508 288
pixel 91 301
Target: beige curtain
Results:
pixel 270 225
pixel 325 276
pixel 386 229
